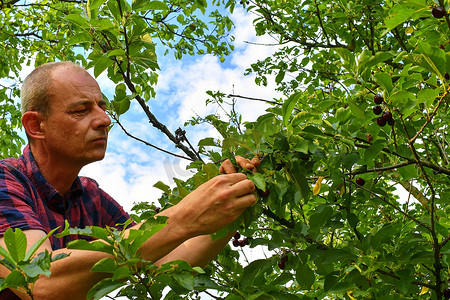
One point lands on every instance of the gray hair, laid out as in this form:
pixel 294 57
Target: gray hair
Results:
pixel 35 88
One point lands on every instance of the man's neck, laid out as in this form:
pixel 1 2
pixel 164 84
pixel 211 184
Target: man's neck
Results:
pixel 60 174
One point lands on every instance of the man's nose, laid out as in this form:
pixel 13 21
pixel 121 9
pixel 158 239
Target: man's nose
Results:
pixel 101 118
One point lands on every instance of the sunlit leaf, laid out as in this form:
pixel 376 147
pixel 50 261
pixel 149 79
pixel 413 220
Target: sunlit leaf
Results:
pixel 317 186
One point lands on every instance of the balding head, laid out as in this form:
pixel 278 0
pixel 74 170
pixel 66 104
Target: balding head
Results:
pixel 35 93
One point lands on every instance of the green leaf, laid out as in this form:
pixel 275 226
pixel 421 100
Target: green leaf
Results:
pixel 295 171
pixel 122 272
pixel 304 275
pixel 408 172
pixel 182 191
pixel 230 142
pixel 142 235
pixel 258 180
pixel 349 59
pixel 103 288
pixel 77 19
pixel 352 219
pixel 94 4
pixel 92 246
pixel 105 265
pixel 35 270
pixel 16 243
pixel 211 170
pixel 153 225
pixel 115 11
pixel 82 37
pixel 397 16
pixel 356 109
pixel 321 216
pixel 428 62
pixel 139 5
pixel 330 281
pixel 435 57
pixel 101 65
pixel 428 96
pixel 384 80
pixel 249 274
pixel 371 153
pixel 300 144
pixel 364 68
pixel 15 279
pixel 162 186
pixel 185 279
pixel 207 142
pixel 122 106
pixel 117 52
pixel 7 256
pixel 288 106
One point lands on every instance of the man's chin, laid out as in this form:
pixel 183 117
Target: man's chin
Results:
pixel 95 158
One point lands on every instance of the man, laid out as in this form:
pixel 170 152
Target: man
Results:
pixel 67 128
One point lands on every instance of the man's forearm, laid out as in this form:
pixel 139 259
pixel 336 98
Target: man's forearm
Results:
pixel 197 251
pixel 71 276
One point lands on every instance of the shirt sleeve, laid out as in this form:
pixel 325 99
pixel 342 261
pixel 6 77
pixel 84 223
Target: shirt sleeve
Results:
pixel 111 212
pixel 115 215
pixel 16 202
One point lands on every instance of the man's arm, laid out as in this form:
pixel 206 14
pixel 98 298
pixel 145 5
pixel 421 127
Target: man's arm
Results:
pixel 209 208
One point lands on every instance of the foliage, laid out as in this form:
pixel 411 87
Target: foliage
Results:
pixel 25 266
pixel 132 276
pixel 334 218
pixel 346 240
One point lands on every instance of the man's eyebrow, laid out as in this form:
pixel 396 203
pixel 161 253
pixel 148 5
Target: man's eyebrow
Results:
pixel 86 102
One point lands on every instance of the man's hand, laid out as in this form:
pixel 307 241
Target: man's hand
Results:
pixel 221 200
pixel 214 204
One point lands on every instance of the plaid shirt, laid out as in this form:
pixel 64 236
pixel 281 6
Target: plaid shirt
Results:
pixel 28 201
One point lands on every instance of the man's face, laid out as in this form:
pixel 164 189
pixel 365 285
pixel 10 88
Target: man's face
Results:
pixel 76 129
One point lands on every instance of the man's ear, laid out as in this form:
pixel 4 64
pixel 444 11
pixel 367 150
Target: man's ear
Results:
pixel 32 122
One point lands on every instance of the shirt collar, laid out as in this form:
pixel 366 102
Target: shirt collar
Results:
pixel 50 196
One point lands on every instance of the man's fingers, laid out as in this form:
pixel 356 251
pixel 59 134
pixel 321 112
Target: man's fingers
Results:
pixel 244 162
pixel 243 187
pixel 255 161
pixel 241 203
pixel 227 167
pixel 233 178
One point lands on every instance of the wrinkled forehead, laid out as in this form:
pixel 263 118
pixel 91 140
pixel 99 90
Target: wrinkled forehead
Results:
pixel 73 82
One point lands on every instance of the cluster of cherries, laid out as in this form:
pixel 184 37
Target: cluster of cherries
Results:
pixel 386 116
pixel 240 243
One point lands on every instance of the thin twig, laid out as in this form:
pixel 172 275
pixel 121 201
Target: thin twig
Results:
pixel 428 119
pixel 147 143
